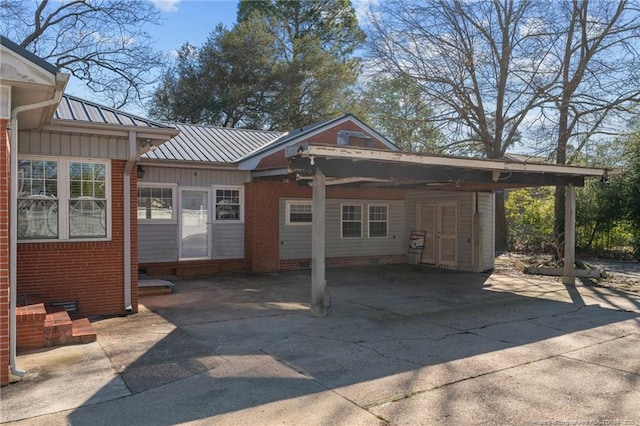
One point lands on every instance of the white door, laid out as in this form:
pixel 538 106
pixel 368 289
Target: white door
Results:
pixel 195 221
pixel 447 234
pixel 428 224
pixel 439 221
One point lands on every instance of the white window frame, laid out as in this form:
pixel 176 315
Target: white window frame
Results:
pixel 369 221
pixel 214 205
pixel 64 164
pixel 174 203
pixel 342 221
pixel 290 203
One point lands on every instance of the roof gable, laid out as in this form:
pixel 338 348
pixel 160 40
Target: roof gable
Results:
pixel 274 151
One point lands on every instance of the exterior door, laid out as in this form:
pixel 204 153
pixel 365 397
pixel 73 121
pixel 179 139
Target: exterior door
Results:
pixel 195 221
pixel 439 221
pixel 428 225
pixel 447 234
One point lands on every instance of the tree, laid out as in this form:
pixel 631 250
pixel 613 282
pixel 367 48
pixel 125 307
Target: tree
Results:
pixel 315 42
pixel 100 42
pixel 480 64
pixel 496 69
pixel 397 108
pixel 229 81
pixel 632 184
pixel 597 53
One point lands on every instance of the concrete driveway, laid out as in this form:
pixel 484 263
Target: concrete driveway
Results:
pixel 400 345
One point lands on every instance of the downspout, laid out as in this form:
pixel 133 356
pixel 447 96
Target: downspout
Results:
pixel 132 157
pixel 13 224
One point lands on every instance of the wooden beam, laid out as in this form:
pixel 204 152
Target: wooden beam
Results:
pixel 318 281
pixel 569 236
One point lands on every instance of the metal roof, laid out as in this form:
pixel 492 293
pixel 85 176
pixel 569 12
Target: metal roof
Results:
pixel 76 109
pixel 211 144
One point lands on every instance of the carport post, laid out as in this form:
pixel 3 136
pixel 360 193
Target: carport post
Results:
pixel 569 236
pixel 318 282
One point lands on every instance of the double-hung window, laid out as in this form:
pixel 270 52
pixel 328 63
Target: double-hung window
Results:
pixel 378 220
pixel 156 203
pixel 351 221
pixel 298 212
pixel 229 202
pixel 63 199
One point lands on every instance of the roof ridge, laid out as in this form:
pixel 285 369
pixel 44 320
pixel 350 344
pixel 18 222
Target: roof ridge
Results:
pixel 177 123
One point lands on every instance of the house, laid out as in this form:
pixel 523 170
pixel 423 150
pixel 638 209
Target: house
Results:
pixel 68 181
pixel 98 195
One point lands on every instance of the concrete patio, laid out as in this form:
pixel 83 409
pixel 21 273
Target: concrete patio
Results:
pixel 400 345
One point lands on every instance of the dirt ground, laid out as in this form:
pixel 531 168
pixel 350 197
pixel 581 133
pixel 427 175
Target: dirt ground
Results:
pixel 614 278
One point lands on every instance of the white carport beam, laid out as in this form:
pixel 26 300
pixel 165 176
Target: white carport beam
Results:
pixel 569 236
pixel 318 282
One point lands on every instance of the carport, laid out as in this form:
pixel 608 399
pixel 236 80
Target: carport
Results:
pixel 324 165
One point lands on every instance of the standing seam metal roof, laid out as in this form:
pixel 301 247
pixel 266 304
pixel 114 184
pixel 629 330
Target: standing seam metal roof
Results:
pixel 76 109
pixel 211 144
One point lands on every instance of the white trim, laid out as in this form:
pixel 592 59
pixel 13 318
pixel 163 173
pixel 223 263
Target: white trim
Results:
pixel 287 218
pixel 238 188
pixel 354 153
pixel 342 237
pixel 63 170
pixel 174 198
pixel 369 221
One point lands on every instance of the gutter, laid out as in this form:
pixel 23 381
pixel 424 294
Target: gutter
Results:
pixel 132 157
pixel 13 217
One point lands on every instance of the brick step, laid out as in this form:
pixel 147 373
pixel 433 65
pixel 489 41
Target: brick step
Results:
pixel 59 329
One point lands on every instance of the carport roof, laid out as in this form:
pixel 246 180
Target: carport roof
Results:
pixel 380 168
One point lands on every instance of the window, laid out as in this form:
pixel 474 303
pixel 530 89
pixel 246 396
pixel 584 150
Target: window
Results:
pixel 63 199
pixel 378 219
pixel 298 213
pixel 229 202
pixel 351 221
pixel 155 203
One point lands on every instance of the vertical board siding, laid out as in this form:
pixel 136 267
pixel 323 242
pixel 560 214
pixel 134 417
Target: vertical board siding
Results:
pixel 486 207
pixel 465 220
pixel 194 177
pixel 295 240
pixel 157 242
pixel 228 241
pixel 72 145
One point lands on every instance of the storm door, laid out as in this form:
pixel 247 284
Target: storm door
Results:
pixel 194 224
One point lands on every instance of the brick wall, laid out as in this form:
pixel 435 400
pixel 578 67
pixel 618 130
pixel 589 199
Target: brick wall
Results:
pixel 4 252
pixel 193 268
pixel 91 273
pixel 30 327
pixel 262 225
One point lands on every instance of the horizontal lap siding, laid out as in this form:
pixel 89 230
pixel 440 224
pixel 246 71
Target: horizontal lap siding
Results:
pixel 228 240
pixel 465 219
pixel 157 242
pixel 295 240
pixel 486 209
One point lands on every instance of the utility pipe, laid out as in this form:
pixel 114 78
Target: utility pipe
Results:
pixel 132 157
pixel 13 223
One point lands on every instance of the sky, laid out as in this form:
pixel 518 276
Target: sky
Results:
pixel 190 20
